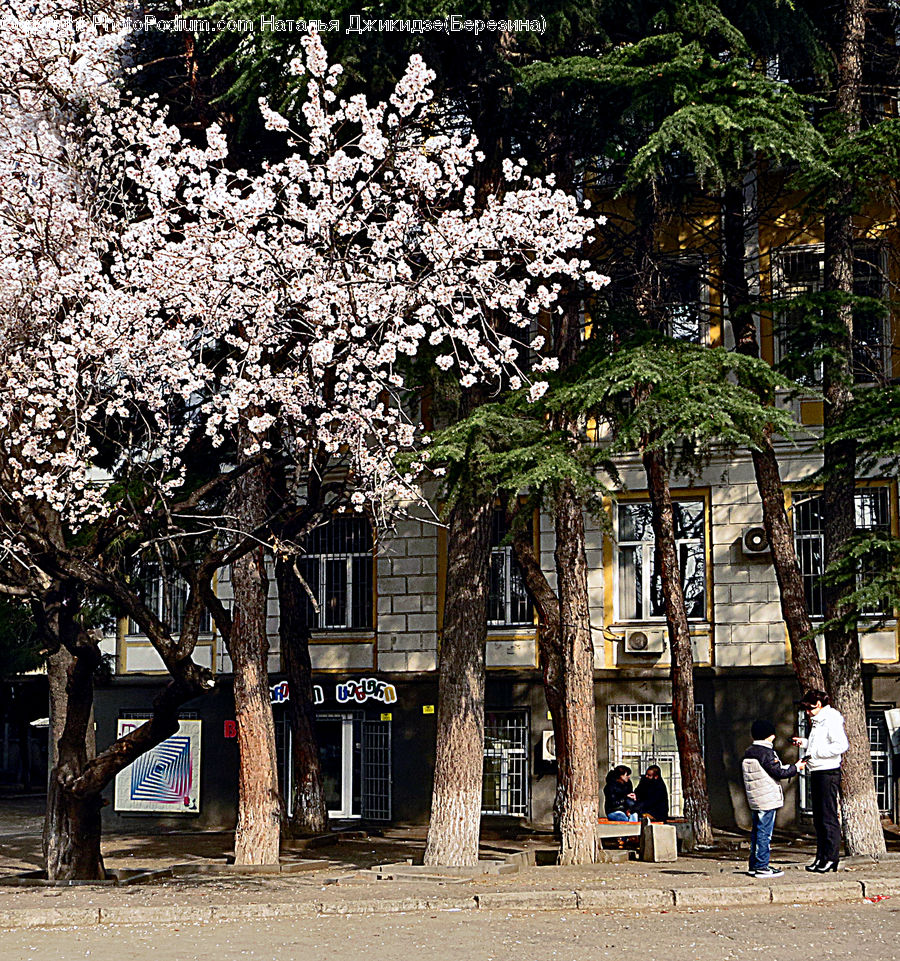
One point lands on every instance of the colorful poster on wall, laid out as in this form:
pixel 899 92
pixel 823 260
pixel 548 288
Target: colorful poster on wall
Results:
pixel 165 780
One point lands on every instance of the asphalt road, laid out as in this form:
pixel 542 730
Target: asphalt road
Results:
pixel 859 930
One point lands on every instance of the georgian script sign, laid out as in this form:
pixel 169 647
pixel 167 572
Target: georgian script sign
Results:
pixel 351 692
pixel 364 689
pixel 280 692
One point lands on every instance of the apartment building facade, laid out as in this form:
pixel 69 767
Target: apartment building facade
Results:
pixel 376 635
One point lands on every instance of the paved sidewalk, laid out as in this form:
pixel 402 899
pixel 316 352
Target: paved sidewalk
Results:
pixel 339 879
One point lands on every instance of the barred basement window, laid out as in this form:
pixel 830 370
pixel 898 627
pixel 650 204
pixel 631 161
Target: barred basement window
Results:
pixel 882 761
pixel 505 785
pixel 337 567
pixel 644 734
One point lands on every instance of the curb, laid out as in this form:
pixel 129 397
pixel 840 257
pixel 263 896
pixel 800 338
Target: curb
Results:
pixel 592 899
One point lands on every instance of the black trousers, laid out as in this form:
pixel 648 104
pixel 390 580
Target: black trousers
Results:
pixel 824 786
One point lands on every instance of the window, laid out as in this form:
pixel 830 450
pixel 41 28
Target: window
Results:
pixel 640 594
pixel 166 595
pixel 505 784
pixel 337 568
pixel 882 761
pixel 872 514
pixel 644 734
pixel 799 272
pixel 508 600
pixel 680 297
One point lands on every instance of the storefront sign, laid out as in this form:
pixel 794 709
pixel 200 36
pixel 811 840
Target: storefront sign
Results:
pixel 165 780
pixel 364 689
pixel 280 692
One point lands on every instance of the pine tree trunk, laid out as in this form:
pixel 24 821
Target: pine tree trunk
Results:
pixel 550 657
pixel 257 835
pixel 804 656
pixel 309 814
pixel 684 711
pixel 453 830
pixel 576 745
pixel 861 821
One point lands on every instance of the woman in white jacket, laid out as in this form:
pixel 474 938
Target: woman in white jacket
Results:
pixel 822 751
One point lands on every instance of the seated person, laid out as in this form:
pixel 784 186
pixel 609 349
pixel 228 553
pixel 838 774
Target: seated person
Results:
pixel 618 794
pixel 652 794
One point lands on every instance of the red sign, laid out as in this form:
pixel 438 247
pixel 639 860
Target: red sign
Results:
pixel 230 729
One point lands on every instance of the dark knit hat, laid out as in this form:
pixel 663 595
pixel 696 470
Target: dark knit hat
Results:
pixel 761 730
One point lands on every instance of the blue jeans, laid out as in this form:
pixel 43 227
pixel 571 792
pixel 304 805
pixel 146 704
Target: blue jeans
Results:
pixel 622 816
pixel 760 839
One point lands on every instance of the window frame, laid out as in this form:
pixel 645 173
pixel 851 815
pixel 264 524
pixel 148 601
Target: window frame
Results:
pixel 166 591
pixel 510 572
pixel 817 539
pixel 869 252
pixel 513 792
pixel 321 558
pixel 882 761
pixel 698 264
pixel 648 563
pixel 657 714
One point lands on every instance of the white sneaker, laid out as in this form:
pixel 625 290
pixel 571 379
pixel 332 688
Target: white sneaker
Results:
pixel 768 873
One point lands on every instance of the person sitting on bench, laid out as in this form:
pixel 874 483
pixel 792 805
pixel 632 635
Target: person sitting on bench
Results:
pixel 652 795
pixel 620 802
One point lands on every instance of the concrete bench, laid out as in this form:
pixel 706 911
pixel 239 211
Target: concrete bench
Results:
pixel 606 829
pixel 657 840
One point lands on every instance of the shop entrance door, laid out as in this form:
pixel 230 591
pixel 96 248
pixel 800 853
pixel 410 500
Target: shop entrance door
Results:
pixel 355 754
pixel 339 751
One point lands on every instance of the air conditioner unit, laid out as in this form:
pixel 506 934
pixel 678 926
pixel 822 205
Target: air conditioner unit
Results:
pixel 755 541
pixel 548 746
pixel 645 641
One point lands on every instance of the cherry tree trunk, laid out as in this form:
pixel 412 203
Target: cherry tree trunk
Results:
pixel 804 656
pixel 455 823
pixel 309 814
pixel 863 833
pixel 71 840
pixel 684 710
pixel 578 793
pixel 257 835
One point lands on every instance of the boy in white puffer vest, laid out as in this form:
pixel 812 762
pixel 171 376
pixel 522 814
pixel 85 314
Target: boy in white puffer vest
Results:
pixel 763 772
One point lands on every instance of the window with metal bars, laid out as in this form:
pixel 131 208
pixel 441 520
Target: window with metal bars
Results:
pixel 644 734
pixel 872 514
pixel 640 594
pixel 166 595
pixel 799 272
pixel 505 783
pixel 882 761
pixel 508 600
pixel 337 568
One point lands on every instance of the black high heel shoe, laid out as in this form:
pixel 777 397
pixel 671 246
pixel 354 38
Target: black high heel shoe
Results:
pixel 825 866
pixel 814 866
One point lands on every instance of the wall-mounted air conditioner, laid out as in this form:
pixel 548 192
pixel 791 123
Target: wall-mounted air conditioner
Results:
pixel 645 640
pixel 755 541
pixel 548 746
